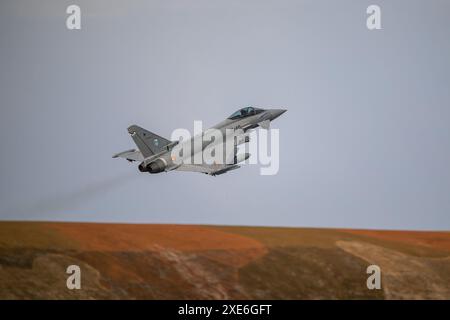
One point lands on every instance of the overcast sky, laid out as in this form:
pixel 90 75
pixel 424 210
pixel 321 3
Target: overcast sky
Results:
pixel 365 142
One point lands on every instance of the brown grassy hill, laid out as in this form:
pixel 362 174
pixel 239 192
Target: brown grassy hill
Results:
pixel 126 261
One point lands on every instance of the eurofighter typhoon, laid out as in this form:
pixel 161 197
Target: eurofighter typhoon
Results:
pixel 157 154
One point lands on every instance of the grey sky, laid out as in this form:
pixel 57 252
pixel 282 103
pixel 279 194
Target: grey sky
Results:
pixel 365 143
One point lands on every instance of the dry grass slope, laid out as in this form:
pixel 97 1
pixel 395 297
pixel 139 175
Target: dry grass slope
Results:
pixel 125 261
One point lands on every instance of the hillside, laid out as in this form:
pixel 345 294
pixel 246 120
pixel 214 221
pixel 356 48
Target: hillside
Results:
pixel 127 261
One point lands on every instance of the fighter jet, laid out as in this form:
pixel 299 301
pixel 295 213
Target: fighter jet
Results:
pixel 156 154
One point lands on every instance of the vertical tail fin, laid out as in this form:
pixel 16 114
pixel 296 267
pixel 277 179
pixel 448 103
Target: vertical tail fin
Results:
pixel 147 142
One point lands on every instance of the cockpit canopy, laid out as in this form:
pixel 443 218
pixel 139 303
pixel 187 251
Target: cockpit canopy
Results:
pixel 245 112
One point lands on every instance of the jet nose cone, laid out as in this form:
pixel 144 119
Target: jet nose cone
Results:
pixel 277 112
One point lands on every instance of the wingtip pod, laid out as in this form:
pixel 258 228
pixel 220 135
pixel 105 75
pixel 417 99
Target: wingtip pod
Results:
pixel 117 155
pixel 225 170
pixel 241 157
